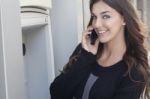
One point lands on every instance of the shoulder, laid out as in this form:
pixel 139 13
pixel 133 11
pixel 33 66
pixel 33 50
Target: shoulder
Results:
pixel 131 86
pixel 136 74
pixel 76 50
pixel 133 79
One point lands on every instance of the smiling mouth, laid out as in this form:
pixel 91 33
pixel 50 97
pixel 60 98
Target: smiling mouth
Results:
pixel 101 32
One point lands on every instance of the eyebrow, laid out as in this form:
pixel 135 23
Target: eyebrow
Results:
pixel 102 12
pixel 105 12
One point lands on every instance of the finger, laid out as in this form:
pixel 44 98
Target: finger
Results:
pixel 86 35
pixel 90 28
pixel 86 39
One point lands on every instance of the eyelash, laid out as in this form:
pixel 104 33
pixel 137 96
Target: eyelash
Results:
pixel 93 17
pixel 104 17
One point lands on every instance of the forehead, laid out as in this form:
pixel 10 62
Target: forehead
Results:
pixel 101 7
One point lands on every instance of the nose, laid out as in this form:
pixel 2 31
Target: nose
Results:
pixel 98 23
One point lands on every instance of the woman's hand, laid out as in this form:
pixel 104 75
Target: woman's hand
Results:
pixel 86 42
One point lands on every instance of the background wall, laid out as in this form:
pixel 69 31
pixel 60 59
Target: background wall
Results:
pixel 11 60
pixel 2 76
pixel 64 22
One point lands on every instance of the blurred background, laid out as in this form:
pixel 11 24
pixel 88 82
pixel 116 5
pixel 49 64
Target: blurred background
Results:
pixel 143 9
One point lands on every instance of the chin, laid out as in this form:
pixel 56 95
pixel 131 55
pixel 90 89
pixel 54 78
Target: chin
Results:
pixel 103 40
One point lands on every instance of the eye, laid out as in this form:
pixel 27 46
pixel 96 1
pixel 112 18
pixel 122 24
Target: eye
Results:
pixel 93 17
pixel 106 16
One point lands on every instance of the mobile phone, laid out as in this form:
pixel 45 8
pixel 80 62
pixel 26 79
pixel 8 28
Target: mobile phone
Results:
pixel 93 37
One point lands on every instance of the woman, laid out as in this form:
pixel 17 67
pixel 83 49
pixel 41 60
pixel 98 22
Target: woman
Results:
pixel 115 66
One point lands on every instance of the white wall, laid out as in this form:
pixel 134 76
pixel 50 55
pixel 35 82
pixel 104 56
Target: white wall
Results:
pixel 11 62
pixel 86 13
pixel 35 62
pixel 65 28
pixel 2 76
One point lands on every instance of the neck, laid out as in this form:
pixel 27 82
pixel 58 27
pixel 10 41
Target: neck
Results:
pixel 114 49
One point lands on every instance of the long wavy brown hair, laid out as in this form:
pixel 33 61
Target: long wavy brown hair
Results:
pixel 136 54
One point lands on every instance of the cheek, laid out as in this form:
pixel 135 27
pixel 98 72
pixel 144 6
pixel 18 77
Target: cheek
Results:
pixel 93 23
pixel 114 24
pixel 111 22
pixel 109 25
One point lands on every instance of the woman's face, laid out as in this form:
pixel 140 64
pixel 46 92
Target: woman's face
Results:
pixel 107 22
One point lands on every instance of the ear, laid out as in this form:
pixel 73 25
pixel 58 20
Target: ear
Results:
pixel 124 23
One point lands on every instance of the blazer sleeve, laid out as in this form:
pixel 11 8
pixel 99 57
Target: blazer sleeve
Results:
pixel 64 85
pixel 131 87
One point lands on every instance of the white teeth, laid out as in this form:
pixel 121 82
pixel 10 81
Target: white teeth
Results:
pixel 102 32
